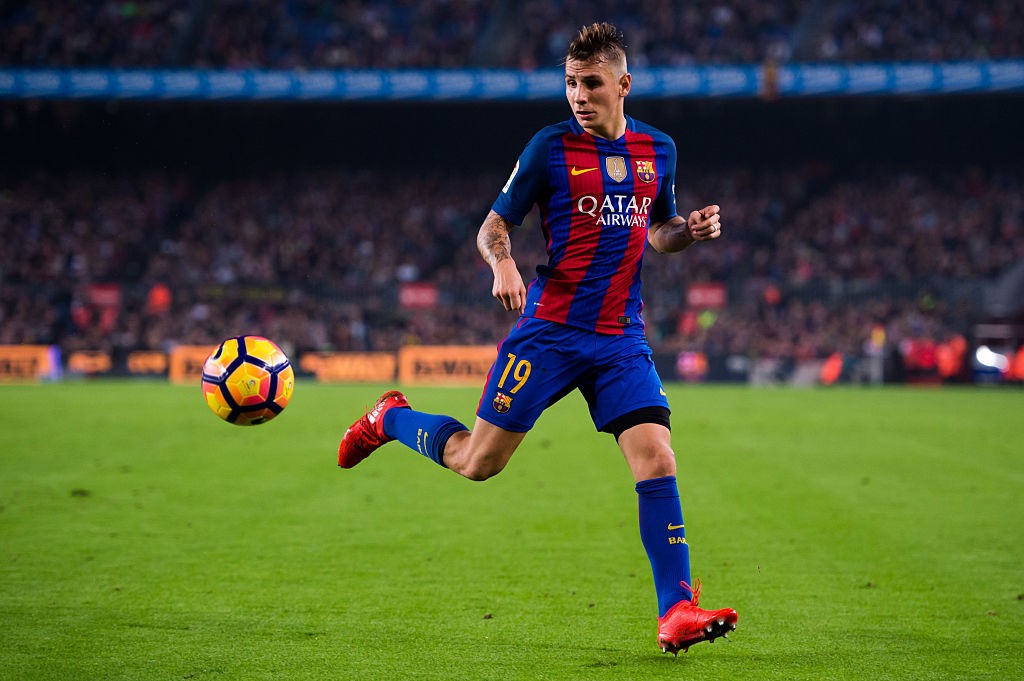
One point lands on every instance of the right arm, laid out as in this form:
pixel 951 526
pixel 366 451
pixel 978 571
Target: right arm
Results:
pixel 495 247
pixel 528 180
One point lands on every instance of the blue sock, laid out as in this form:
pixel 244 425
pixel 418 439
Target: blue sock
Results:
pixel 664 539
pixel 421 432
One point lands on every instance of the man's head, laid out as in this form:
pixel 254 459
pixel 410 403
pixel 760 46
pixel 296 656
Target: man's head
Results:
pixel 599 43
pixel 596 80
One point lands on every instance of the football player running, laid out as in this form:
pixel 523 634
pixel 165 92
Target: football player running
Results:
pixel 604 183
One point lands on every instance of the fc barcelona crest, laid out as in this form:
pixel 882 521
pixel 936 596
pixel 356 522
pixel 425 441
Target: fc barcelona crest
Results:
pixel 615 166
pixel 502 403
pixel 645 171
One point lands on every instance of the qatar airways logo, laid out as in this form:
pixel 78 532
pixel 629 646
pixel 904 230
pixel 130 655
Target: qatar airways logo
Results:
pixel 616 210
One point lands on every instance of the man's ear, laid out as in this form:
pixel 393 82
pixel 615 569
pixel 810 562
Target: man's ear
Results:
pixel 625 82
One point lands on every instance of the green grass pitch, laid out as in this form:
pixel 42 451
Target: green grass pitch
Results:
pixel 860 533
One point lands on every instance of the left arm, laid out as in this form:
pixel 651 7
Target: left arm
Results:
pixel 675 234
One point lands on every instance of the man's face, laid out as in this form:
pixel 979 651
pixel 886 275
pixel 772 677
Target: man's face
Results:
pixel 595 91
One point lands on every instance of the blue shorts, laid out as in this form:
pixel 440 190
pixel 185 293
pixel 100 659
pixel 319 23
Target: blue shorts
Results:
pixel 541 362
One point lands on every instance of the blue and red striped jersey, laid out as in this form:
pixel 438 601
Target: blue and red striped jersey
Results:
pixel 596 198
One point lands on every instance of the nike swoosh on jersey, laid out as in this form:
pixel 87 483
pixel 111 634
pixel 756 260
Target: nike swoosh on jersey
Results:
pixel 580 171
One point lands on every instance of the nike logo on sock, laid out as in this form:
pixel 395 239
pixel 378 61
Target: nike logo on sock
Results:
pixel 674 527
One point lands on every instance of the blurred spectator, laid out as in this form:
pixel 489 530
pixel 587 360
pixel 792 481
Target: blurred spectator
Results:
pixel 923 30
pixel 114 33
pixel 661 33
pixel 471 33
pixel 281 34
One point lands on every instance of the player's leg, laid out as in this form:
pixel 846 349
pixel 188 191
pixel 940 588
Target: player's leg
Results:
pixel 444 440
pixel 476 455
pixel 681 623
pixel 647 449
pixel 627 400
pixel 535 366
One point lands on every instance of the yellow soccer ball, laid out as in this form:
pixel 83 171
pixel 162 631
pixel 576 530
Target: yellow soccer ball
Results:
pixel 248 380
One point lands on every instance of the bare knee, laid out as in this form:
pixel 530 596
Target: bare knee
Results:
pixel 479 471
pixel 648 451
pixel 662 463
pixel 654 463
pixel 476 466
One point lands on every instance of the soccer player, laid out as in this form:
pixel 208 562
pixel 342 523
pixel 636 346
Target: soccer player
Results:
pixel 604 183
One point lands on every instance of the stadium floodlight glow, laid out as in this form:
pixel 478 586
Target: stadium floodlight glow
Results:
pixel 987 357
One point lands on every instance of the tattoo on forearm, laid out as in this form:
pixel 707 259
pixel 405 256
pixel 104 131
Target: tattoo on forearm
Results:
pixel 493 240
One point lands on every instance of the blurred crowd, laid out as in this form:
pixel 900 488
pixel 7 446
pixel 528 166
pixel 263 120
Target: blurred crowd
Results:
pixel 481 33
pixel 922 30
pixel 812 262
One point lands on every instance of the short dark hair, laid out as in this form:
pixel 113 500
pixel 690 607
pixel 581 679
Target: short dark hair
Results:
pixel 597 43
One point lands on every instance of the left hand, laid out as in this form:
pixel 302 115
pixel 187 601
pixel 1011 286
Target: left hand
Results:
pixel 705 224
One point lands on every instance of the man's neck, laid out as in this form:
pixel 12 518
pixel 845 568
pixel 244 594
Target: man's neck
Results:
pixel 613 134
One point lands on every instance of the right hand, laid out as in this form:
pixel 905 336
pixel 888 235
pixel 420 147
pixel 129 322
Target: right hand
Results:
pixel 508 286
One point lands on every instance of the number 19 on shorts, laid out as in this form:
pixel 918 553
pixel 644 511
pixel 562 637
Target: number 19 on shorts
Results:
pixel 520 373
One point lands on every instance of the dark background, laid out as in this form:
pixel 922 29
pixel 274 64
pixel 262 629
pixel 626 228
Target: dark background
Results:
pixel 224 139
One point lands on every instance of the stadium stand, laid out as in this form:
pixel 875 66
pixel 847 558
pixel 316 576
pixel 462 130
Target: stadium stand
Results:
pixel 818 263
pixel 894 30
pixel 474 33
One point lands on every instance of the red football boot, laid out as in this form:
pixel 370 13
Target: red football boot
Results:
pixel 685 624
pixel 366 434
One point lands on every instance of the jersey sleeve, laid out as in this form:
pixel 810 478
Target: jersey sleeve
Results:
pixel 664 207
pixel 527 182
